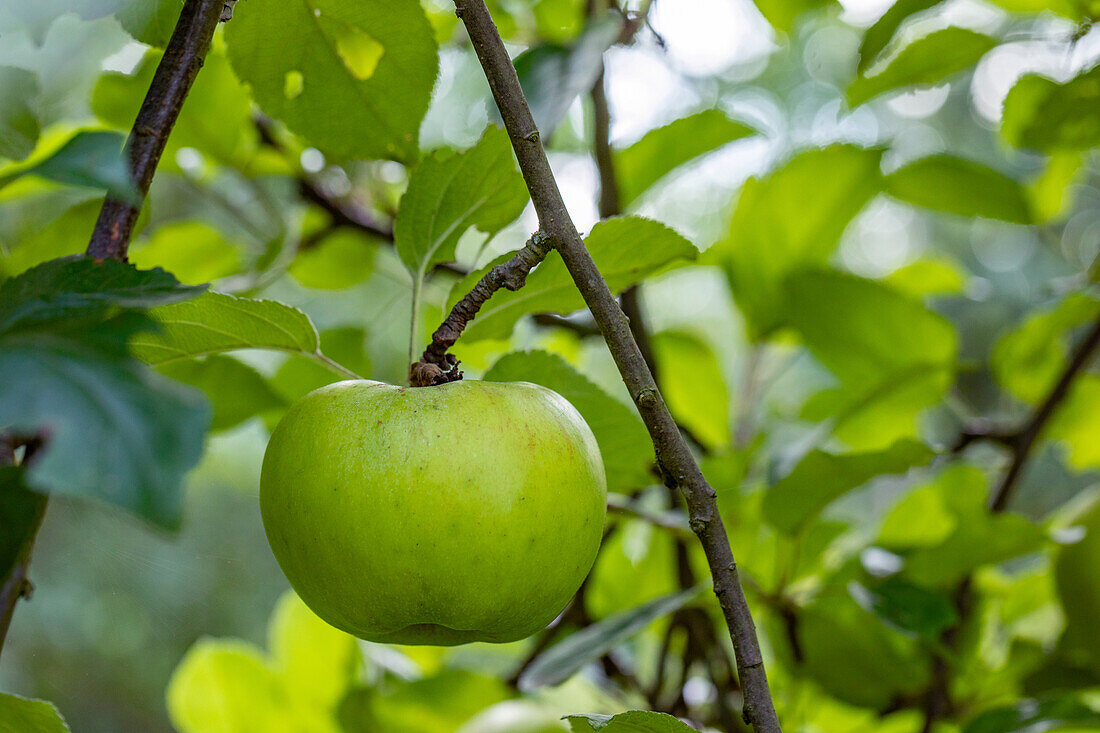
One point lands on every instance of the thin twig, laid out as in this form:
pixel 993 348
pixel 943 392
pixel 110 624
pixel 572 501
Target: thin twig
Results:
pixel 673 454
pixel 15 584
pixel 172 81
pixel 1030 432
pixel 436 366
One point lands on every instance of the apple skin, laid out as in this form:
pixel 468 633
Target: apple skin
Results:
pixel 470 511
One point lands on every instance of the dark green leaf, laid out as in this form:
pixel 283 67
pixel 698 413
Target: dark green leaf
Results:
pixel 450 192
pixel 1034 716
pixel 624 442
pixel 908 607
pixel 820 478
pixel 926 61
pixel 18 123
pixel 354 78
pixel 876 38
pixel 632 721
pixel 564 659
pixel 79 287
pixel 1044 115
pixel 553 75
pixel 626 250
pixel 791 218
pixel 963 187
pixel 21 715
pixel 89 158
pixel 667 148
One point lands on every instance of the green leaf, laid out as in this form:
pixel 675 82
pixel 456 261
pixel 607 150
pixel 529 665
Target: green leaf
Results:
pixel 783 13
pixel 80 287
pixel 568 656
pixel 301 375
pixel 790 219
pixel 341 260
pixel 626 250
pixel 192 251
pixel 436 704
pixel 906 606
pixel 552 75
pixel 1028 360
pixel 820 478
pixel 450 192
pixel 89 158
pixel 1031 716
pixel 215 120
pixel 979 538
pixel 113 430
pixel 1044 115
pixel 18 122
pixel 150 21
pixel 215 323
pixel 624 442
pixel 632 721
pixel 22 715
pixel 665 149
pixel 1079 587
pixel 236 390
pixel 958 186
pixel 354 78
pixel 693 385
pixel 1077 423
pixel 854 656
pixel 892 356
pixel 927 61
pixel 927 277
pixel 878 36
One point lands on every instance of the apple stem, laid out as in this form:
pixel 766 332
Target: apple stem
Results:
pixel 436 366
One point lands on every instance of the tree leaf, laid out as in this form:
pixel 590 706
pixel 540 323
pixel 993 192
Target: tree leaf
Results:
pixel 341 260
pixel 789 219
pixel 783 13
pixel 878 36
pixel 450 192
pixel 694 386
pixel 91 158
pixel 80 287
pixel 1042 114
pixel 624 442
pixel 626 250
pixel 958 186
pixel 1028 360
pixel 236 390
pixel 354 78
pixel 1077 423
pixel 820 478
pixel 215 323
pixel 1032 716
pixel 552 75
pixel 192 251
pixel 441 702
pixel 892 356
pixel 927 61
pixel 149 21
pixel 906 606
pixel 23 715
pixel 113 430
pixel 665 149
pixel 632 721
pixel 562 660
pixel 18 123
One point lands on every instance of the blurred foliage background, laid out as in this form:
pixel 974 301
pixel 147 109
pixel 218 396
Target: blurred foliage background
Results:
pixel 881 228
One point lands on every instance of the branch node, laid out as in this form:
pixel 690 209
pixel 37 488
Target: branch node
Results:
pixel 532 137
pixel 646 397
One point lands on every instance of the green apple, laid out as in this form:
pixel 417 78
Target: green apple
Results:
pixel 469 511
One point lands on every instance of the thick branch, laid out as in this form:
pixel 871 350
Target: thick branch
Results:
pixel 673 454
pixel 172 81
pixel 436 366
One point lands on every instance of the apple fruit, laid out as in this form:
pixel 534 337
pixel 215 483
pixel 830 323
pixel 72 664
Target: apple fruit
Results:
pixel 469 511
